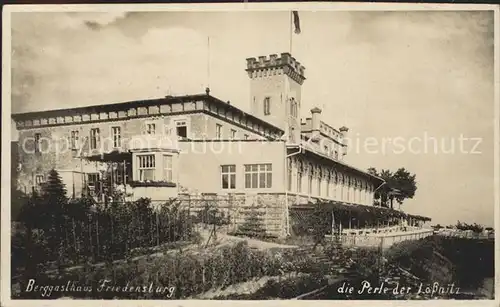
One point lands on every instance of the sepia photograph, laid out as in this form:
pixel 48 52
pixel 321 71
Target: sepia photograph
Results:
pixel 258 152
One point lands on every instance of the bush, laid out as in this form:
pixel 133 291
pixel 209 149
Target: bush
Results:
pixel 191 274
pixel 68 232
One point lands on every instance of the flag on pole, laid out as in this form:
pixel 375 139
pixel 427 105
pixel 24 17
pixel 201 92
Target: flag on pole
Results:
pixel 296 21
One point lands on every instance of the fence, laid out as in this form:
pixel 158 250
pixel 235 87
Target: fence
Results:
pixel 85 231
pixel 382 240
pixel 467 235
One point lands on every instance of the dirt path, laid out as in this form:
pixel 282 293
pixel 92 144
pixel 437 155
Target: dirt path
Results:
pixel 247 287
pixel 225 239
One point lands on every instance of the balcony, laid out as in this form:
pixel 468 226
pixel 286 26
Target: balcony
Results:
pixel 153 142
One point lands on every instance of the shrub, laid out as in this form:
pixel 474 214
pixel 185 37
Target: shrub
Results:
pixel 253 225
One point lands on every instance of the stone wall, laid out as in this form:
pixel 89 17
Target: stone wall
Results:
pixel 238 207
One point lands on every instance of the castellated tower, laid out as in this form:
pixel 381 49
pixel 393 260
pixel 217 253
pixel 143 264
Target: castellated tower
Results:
pixel 275 91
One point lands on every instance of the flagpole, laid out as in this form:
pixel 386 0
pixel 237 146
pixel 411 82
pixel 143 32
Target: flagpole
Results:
pixel 208 62
pixel 291 35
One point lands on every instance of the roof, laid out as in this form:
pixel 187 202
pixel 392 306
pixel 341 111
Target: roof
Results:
pixel 394 192
pixel 121 106
pixel 363 209
pixel 345 165
pixel 374 211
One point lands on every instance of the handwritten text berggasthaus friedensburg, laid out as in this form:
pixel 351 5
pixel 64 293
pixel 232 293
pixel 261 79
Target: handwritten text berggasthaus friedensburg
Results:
pixel 103 286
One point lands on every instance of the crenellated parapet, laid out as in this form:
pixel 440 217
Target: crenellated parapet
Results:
pixel 273 64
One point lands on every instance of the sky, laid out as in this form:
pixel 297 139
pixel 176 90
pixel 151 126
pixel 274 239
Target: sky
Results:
pixel 423 79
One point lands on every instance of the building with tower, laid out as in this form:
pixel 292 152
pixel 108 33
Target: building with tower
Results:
pixel 199 146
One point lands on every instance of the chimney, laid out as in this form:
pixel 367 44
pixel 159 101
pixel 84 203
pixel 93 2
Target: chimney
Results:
pixel 343 132
pixel 315 123
pixel 273 58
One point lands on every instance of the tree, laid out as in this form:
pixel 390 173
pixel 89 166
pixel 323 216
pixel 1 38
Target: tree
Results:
pixel 399 186
pixel 55 206
pixel 474 227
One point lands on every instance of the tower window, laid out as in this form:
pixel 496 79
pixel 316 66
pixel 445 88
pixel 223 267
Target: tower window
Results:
pixel 294 110
pixel 38 136
pixel 150 128
pixel 181 129
pixel 267 106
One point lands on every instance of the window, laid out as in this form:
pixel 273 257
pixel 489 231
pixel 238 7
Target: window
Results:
pixel 167 168
pixel 320 182
pixel 150 128
pixel 233 134
pixel 218 131
pixel 94 138
pixel 181 129
pixel 267 106
pixel 289 175
pixel 92 179
pixel 118 173
pixel 75 135
pixel 328 185
pixel 299 181
pixel 39 179
pixel 293 108
pixel 228 176
pixel 146 167
pixel 310 186
pixel 348 192
pixel 116 135
pixel 38 136
pixel 258 176
pixel 93 183
pixel 246 136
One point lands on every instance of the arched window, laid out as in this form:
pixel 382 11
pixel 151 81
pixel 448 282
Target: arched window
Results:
pixel 289 175
pixel 335 184
pixel 320 180
pixel 300 172
pixel 328 183
pixel 311 174
pixel 348 192
pixel 267 106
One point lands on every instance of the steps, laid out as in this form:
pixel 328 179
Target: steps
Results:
pixel 335 266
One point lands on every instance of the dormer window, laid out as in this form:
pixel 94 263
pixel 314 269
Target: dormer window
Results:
pixel 150 128
pixel 267 106
pixel 181 128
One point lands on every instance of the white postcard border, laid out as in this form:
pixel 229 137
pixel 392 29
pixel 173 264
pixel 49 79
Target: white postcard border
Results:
pixel 5 289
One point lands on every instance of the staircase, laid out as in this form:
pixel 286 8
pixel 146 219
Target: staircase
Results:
pixel 336 265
